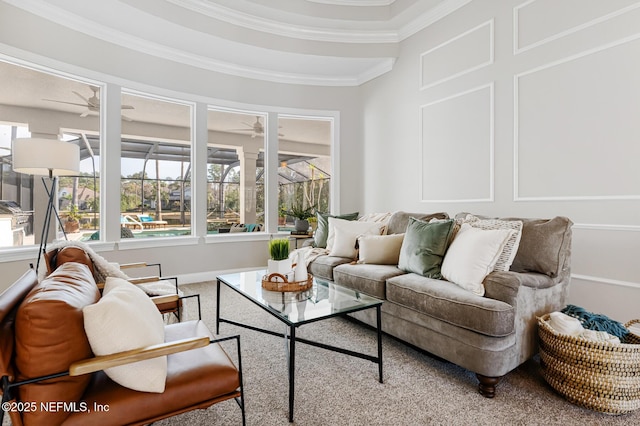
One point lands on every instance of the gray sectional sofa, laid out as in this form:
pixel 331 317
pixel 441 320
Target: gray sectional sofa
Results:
pixel 489 335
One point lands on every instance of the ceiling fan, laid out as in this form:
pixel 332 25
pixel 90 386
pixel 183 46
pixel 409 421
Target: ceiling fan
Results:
pixel 256 128
pixel 92 103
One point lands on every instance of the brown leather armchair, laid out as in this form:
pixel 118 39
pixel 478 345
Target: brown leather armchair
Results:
pixel 49 375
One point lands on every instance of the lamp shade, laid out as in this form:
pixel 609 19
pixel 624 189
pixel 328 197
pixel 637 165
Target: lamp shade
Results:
pixel 50 157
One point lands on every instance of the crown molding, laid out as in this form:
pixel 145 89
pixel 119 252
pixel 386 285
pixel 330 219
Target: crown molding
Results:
pixel 316 32
pixel 426 19
pixel 106 33
pixel 357 76
pixel 284 29
pixel 367 3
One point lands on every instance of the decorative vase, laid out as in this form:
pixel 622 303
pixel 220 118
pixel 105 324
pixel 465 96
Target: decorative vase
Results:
pixel 282 267
pixel 300 271
pixel 302 225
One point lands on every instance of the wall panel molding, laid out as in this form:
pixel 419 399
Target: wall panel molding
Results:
pixel 606 227
pixel 517 124
pixel 590 23
pixel 452 166
pixel 609 281
pixel 464 43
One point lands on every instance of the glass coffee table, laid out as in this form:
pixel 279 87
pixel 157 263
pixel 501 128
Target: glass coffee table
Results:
pixel 324 300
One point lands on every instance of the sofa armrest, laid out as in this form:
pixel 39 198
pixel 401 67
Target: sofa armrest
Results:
pixel 98 363
pixel 504 286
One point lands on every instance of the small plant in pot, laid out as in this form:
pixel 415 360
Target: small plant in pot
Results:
pixel 73 220
pixel 279 263
pixel 301 215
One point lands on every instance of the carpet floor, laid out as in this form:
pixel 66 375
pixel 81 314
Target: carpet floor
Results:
pixel 335 389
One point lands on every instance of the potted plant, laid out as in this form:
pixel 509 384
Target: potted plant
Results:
pixel 279 263
pixel 301 216
pixel 282 216
pixel 73 219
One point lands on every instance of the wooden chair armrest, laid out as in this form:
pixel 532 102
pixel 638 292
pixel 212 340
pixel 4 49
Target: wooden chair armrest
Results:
pixel 165 299
pixel 133 265
pixel 120 358
pixel 143 280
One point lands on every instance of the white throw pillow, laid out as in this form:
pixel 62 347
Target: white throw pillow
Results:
pixel 344 244
pixel 354 227
pixel 511 247
pixel 473 255
pixel 125 318
pixel 380 249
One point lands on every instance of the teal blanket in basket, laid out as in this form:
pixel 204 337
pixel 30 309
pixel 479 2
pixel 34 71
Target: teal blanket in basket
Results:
pixel 597 322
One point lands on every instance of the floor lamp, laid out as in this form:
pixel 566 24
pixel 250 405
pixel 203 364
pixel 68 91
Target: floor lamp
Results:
pixel 46 157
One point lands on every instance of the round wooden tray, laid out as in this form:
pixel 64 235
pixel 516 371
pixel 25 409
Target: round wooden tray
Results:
pixel 270 283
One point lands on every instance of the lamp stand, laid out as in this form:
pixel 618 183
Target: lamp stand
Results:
pixel 51 208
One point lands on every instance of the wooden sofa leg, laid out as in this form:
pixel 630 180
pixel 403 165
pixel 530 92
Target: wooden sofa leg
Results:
pixel 487 385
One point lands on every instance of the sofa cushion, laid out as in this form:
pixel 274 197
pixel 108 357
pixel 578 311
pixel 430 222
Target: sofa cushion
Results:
pixel 447 302
pixel 322 228
pixel 345 238
pixel 353 227
pixel 424 246
pixel 545 245
pixel 380 249
pixel 511 246
pixel 399 221
pixel 50 336
pixel 473 255
pixel 369 279
pixel 322 266
pixel 125 319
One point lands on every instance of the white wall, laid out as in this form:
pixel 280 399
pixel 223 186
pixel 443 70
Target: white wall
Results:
pixel 33 39
pixel 514 108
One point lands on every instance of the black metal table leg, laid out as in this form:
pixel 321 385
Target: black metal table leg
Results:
pixel 379 327
pixel 292 369
pixel 218 307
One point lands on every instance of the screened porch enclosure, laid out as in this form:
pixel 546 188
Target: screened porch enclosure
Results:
pixel 157 184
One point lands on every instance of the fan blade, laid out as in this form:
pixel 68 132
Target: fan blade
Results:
pixel 127 107
pixel 247 124
pixel 84 114
pixel 239 130
pixel 81 97
pixel 64 102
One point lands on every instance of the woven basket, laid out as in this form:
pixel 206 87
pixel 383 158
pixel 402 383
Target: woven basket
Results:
pixel 604 377
pixel 278 282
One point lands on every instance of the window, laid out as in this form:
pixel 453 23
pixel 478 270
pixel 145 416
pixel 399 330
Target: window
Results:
pixel 45 105
pixel 304 175
pixel 235 170
pixel 155 167
pixel 155 162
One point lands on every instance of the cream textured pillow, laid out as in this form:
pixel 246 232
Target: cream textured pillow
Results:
pixel 380 249
pixel 125 318
pixel 511 247
pixel 354 227
pixel 473 255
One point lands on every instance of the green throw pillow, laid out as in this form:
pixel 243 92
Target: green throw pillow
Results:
pixel 424 246
pixel 322 230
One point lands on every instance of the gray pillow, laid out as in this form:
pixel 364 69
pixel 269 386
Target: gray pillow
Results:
pixel 424 246
pixel 544 246
pixel 322 230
